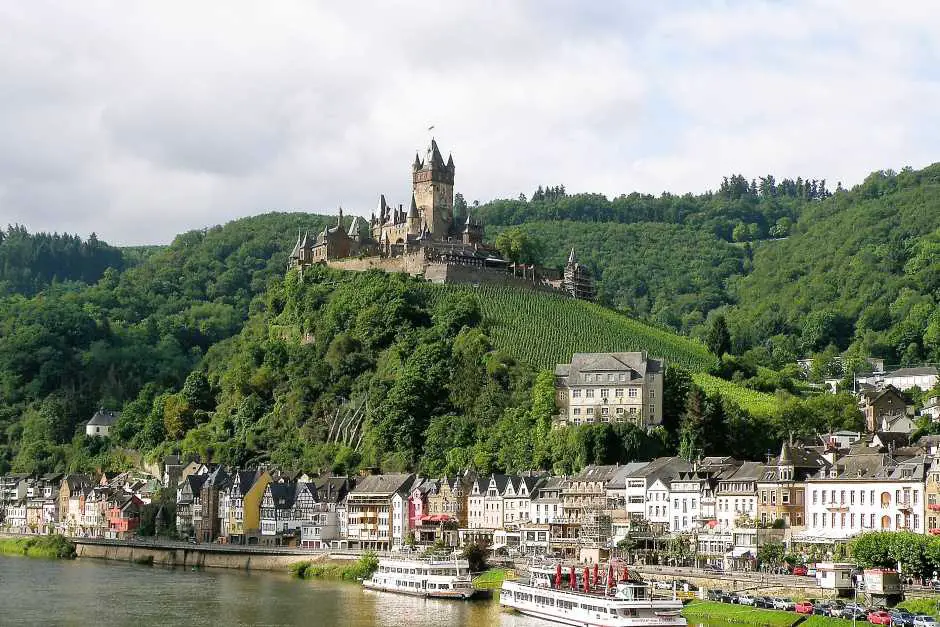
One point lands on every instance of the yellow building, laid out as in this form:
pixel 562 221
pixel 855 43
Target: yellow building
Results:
pixel 244 506
pixel 932 498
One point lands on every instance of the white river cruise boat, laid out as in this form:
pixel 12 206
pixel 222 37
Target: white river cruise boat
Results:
pixel 575 597
pixel 437 577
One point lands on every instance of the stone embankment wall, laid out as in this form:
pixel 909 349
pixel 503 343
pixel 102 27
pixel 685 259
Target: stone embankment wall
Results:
pixel 413 264
pixel 197 557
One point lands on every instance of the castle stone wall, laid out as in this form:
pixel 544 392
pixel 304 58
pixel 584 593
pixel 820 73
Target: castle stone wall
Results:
pixel 413 264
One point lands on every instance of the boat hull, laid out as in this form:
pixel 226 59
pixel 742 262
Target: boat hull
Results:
pixel 458 595
pixel 568 609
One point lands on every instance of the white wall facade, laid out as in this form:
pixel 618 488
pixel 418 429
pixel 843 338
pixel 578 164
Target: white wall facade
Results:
pixel 843 508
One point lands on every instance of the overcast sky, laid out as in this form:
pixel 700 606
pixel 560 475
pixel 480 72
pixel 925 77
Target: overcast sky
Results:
pixel 139 120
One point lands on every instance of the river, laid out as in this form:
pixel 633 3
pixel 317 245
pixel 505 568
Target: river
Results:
pixel 92 592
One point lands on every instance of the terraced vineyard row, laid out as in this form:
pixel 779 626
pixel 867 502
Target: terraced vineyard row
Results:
pixel 544 329
pixel 754 402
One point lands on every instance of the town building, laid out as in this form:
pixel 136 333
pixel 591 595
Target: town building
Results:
pixel 208 523
pixel 736 495
pixel 610 387
pixel 242 503
pixel 865 492
pixel 880 404
pixel 368 510
pixel 782 488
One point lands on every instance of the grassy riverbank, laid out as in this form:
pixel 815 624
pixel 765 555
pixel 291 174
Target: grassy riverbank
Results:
pixel 491 579
pixel 360 569
pixel 711 612
pixel 51 547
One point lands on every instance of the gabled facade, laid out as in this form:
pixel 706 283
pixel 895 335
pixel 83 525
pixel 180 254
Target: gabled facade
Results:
pixel 782 489
pixel 610 387
pixel 736 496
pixel 243 505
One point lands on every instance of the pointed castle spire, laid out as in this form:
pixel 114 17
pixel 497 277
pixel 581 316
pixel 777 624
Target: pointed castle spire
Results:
pixel 413 210
pixel 571 258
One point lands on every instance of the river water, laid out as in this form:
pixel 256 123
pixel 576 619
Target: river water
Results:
pixel 92 592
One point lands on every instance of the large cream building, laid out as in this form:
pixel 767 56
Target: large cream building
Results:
pixel 610 387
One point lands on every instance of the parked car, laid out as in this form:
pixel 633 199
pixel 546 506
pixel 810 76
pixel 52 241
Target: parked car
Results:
pixel 799 570
pixel 804 607
pixel 745 599
pixel 857 607
pixel 879 618
pixel 853 612
pixel 902 618
pixel 781 603
pixel 922 620
pixel 836 608
pixel 714 595
pixel 765 602
pixel 662 585
pixel 821 608
pixel 811 571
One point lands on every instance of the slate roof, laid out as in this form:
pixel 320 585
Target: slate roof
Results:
pixel 912 372
pixel 330 489
pixel 597 473
pixel 383 484
pixel 284 494
pixel 619 480
pixel 637 364
pixel 104 418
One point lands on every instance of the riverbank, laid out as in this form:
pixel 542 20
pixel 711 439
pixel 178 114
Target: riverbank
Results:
pixel 717 613
pixel 48 547
pixel 360 569
pixel 491 579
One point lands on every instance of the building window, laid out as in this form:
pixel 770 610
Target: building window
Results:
pixel 610 376
pixel 852 499
pixel 604 392
pixel 815 498
pixel 842 497
pixel 576 411
pixel 590 411
pixel 652 409
pixel 785 497
pixel 631 392
pixel 915 496
pixel 815 519
pixel 823 497
pixel 916 522
pixel 618 393
pixel 589 393
pixel 588 378
pixel 620 410
pixel 605 410
pixel 575 393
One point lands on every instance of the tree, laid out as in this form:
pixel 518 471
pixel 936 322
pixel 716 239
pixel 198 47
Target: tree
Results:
pixel 771 553
pixel 476 553
pixel 718 339
pixel 519 247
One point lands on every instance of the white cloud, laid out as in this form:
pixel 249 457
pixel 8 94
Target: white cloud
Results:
pixel 140 120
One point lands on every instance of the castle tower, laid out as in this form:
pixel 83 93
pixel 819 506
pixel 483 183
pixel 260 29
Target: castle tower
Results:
pixel 433 191
pixel 577 279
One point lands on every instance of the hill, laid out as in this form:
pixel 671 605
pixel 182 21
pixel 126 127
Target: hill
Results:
pixel 861 271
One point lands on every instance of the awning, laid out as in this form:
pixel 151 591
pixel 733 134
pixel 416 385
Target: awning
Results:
pixel 738 552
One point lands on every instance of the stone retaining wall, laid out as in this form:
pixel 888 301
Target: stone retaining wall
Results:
pixel 196 557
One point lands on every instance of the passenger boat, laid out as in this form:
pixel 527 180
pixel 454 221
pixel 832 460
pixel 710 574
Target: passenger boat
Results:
pixel 437 577
pixel 578 598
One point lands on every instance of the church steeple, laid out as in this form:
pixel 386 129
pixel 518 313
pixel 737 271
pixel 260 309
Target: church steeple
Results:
pixel 571 257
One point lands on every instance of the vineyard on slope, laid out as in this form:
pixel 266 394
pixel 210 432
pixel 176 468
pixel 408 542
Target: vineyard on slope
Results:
pixel 544 329
pixel 754 402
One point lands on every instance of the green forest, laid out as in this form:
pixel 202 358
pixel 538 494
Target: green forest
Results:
pixel 208 346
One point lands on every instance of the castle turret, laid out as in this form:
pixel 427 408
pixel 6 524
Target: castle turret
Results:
pixel 414 219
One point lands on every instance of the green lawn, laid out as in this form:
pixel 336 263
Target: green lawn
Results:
pixel 491 579
pixel 716 613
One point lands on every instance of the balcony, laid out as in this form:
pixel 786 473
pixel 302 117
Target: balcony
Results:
pixel 934 507
pixel 904 506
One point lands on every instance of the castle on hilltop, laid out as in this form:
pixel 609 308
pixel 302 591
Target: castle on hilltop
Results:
pixel 428 240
